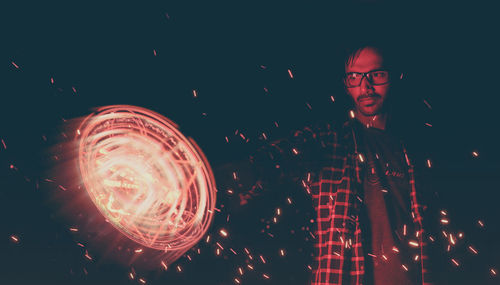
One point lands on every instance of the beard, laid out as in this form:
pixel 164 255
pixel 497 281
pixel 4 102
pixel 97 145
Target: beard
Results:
pixel 369 104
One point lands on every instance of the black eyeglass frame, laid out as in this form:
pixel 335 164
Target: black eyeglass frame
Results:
pixel 368 77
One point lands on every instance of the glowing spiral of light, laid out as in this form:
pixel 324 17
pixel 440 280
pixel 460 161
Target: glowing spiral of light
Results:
pixel 146 178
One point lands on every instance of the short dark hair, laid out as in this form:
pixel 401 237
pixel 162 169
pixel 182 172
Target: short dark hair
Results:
pixel 390 52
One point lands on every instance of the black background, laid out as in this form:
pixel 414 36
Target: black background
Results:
pixel 106 52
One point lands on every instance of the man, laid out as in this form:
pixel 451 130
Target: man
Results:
pixel 361 180
pixel 372 233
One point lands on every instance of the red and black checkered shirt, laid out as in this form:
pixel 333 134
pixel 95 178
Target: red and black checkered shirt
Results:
pixel 333 178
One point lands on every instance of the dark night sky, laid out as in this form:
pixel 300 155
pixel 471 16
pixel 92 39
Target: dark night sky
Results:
pixel 105 51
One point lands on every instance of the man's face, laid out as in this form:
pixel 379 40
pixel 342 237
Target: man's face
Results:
pixel 368 98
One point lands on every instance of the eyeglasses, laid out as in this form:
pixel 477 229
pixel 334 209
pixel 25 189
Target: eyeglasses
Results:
pixel 375 77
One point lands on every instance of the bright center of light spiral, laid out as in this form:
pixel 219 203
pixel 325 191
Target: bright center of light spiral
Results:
pixel 152 183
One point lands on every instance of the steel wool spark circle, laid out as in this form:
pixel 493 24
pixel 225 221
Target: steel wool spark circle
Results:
pixel 146 178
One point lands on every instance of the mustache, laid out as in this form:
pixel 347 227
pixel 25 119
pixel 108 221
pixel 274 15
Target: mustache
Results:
pixel 366 96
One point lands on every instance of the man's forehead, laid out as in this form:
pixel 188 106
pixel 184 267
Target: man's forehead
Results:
pixel 365 60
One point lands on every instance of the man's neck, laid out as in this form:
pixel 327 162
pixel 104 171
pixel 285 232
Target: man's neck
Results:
pixel 377 121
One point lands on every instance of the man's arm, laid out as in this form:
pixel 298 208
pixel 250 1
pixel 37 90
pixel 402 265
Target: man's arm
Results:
pixel 292 159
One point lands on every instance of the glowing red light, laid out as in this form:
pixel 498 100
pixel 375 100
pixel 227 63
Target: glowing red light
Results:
pixel 151 182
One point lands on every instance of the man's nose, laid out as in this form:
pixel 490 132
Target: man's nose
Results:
pixel 366 85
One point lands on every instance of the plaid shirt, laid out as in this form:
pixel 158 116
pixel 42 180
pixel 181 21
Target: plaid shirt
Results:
pixel 333 167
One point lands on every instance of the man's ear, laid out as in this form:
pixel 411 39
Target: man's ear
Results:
pixel 345 87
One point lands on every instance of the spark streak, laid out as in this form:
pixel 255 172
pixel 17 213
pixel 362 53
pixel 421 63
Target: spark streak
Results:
pixel 14 238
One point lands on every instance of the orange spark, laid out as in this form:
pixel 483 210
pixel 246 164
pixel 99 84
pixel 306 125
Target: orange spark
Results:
pixel 452 240
pixel 413 243
pixel 472 249
pixel 427 104
pixel 14 238
pixel 223 232
pixel 361 158
pixel 87 255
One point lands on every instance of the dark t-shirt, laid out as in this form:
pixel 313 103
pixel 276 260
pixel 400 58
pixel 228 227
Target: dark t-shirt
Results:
pixel 386 218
